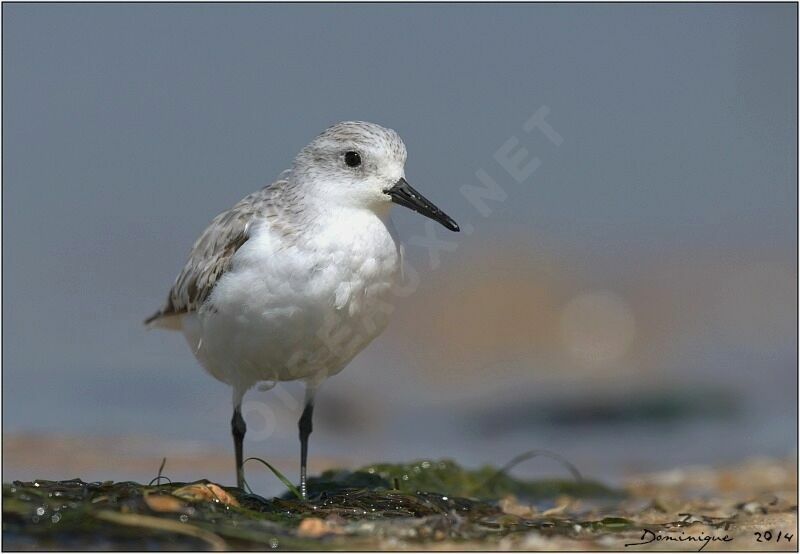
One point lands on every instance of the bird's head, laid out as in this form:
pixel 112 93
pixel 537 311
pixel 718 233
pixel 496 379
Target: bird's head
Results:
pixel 359 164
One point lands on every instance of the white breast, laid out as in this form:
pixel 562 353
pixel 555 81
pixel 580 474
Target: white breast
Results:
pixel 298 309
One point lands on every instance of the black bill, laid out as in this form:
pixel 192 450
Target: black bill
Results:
pixel 404 194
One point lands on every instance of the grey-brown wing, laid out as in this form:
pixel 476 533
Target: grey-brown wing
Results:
pixel 212 255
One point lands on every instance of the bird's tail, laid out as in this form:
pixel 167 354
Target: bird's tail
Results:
pixel 161 320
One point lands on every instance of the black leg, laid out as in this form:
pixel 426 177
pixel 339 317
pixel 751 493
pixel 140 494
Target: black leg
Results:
pixel 305 430
pixel 238 428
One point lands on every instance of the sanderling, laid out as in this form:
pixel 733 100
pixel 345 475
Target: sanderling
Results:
pixel 296 279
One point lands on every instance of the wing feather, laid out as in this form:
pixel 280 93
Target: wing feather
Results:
pixel 211 256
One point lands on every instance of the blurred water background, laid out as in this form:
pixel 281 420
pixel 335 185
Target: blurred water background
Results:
pixel 630 305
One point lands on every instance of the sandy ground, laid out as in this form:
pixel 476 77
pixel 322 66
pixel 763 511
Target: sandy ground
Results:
pixel 752 506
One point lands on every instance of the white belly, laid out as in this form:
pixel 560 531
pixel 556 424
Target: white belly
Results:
pixel 298 312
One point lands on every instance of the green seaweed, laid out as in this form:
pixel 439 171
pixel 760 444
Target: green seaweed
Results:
pixel 416 502
pixel 449 478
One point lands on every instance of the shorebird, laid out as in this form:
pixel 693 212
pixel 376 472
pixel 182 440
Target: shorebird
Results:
pixel 298 277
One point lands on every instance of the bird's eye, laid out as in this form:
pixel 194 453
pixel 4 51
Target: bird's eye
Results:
pixel 352 159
